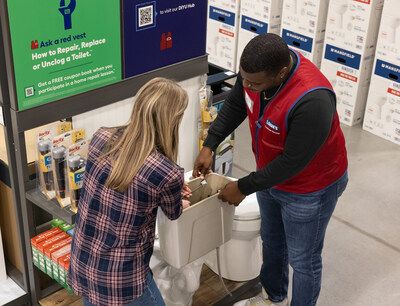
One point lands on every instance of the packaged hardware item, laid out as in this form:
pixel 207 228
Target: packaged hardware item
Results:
pixel 54 260
pixel 35 241
pixel 76 163
pixel 208 113
pixel 44 163
pixel 61 143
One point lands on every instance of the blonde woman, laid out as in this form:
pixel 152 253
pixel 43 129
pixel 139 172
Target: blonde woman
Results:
pixel 130 172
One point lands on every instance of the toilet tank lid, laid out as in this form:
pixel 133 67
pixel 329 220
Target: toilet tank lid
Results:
pixel 248 209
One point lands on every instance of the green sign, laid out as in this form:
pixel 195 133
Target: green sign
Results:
pixel 63 47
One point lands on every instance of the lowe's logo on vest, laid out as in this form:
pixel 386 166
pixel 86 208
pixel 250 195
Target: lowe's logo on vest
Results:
pixel 271 126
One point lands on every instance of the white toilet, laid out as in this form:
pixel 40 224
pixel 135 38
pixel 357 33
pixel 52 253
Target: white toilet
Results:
pixel 241 257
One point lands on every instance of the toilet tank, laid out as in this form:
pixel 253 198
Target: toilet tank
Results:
pixel 202 227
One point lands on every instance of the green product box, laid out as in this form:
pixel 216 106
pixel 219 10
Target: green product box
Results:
pixel 56 222
pixel 66 227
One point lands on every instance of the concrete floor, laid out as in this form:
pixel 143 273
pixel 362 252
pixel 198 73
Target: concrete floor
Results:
pixel 361 256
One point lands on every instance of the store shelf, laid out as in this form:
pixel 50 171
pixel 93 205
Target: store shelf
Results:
pixel 217 74
pixel 51 206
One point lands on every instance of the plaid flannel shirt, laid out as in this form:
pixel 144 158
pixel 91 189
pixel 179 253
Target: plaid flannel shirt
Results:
pixel 114 232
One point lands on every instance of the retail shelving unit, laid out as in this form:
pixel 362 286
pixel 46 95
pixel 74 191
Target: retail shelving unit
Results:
pixel 27 199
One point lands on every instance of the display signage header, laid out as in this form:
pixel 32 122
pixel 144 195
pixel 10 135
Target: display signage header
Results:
pixel 61 48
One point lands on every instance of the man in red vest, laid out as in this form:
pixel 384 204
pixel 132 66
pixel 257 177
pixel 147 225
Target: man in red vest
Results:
pixel 301 163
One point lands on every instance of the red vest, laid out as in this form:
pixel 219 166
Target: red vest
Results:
pixel 269 131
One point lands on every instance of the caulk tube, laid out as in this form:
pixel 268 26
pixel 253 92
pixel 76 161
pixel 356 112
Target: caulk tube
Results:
pixel 59 169
pixel 44 148
pixel 76 166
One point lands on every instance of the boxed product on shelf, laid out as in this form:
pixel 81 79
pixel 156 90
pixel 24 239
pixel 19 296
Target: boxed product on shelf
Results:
pixel 388 45
pixel 45 244
pixel 222 33
pixel 76 164
pixel 257 17
pixel 71 232
pixel 382 113
pixel 56 222
pixel 350 43
pixel 59 151
pixel 158 34
pixel 55 257
pixel 51 249
pixel 39 239
pixel 350 76
pixel 303 27
pixel 44 162
pixel 65 227
pixel 63 265
pixel 353 25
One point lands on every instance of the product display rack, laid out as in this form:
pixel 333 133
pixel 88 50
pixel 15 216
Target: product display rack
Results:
pixel 26 198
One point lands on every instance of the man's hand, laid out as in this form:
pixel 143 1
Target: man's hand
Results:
pixel 203 163
pixel 231 194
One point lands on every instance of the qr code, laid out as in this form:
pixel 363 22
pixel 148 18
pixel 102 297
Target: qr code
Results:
pixel 145 16
pixel 29 91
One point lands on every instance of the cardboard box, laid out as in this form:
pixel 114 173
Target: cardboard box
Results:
pixel 303 27
pixel 35 241
pixel 55 256
pixel 51 249
pixel 353 25
pixel 64 265
pixel 47 243
pixel 382 114
pixel 222 33
pixel 257 17
pixel 188 238
pixel 62 271
pixel 350 76
pixel 388 45
pixel 157 34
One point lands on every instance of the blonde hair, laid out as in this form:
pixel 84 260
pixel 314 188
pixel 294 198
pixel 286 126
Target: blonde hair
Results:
pixel 153 126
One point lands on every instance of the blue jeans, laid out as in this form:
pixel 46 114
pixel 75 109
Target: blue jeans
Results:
pixel 293 228
pixel 151 295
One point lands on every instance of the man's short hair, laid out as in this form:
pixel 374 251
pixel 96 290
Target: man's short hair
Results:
pixel 266 52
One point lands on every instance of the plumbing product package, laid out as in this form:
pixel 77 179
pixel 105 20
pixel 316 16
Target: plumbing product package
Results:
pixel 257 17
pixel 202 227
pixel 382 113
pixel 353 25
pixel 303 27
pixel 44 164
pixel 60 145
pixel 222 33
pixel 349 50
pixel 76 163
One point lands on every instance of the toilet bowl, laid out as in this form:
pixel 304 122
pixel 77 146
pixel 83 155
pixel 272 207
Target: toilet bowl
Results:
pixel 240 258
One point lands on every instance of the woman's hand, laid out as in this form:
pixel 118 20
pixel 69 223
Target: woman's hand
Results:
pixel 185 204
pixel 186 192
